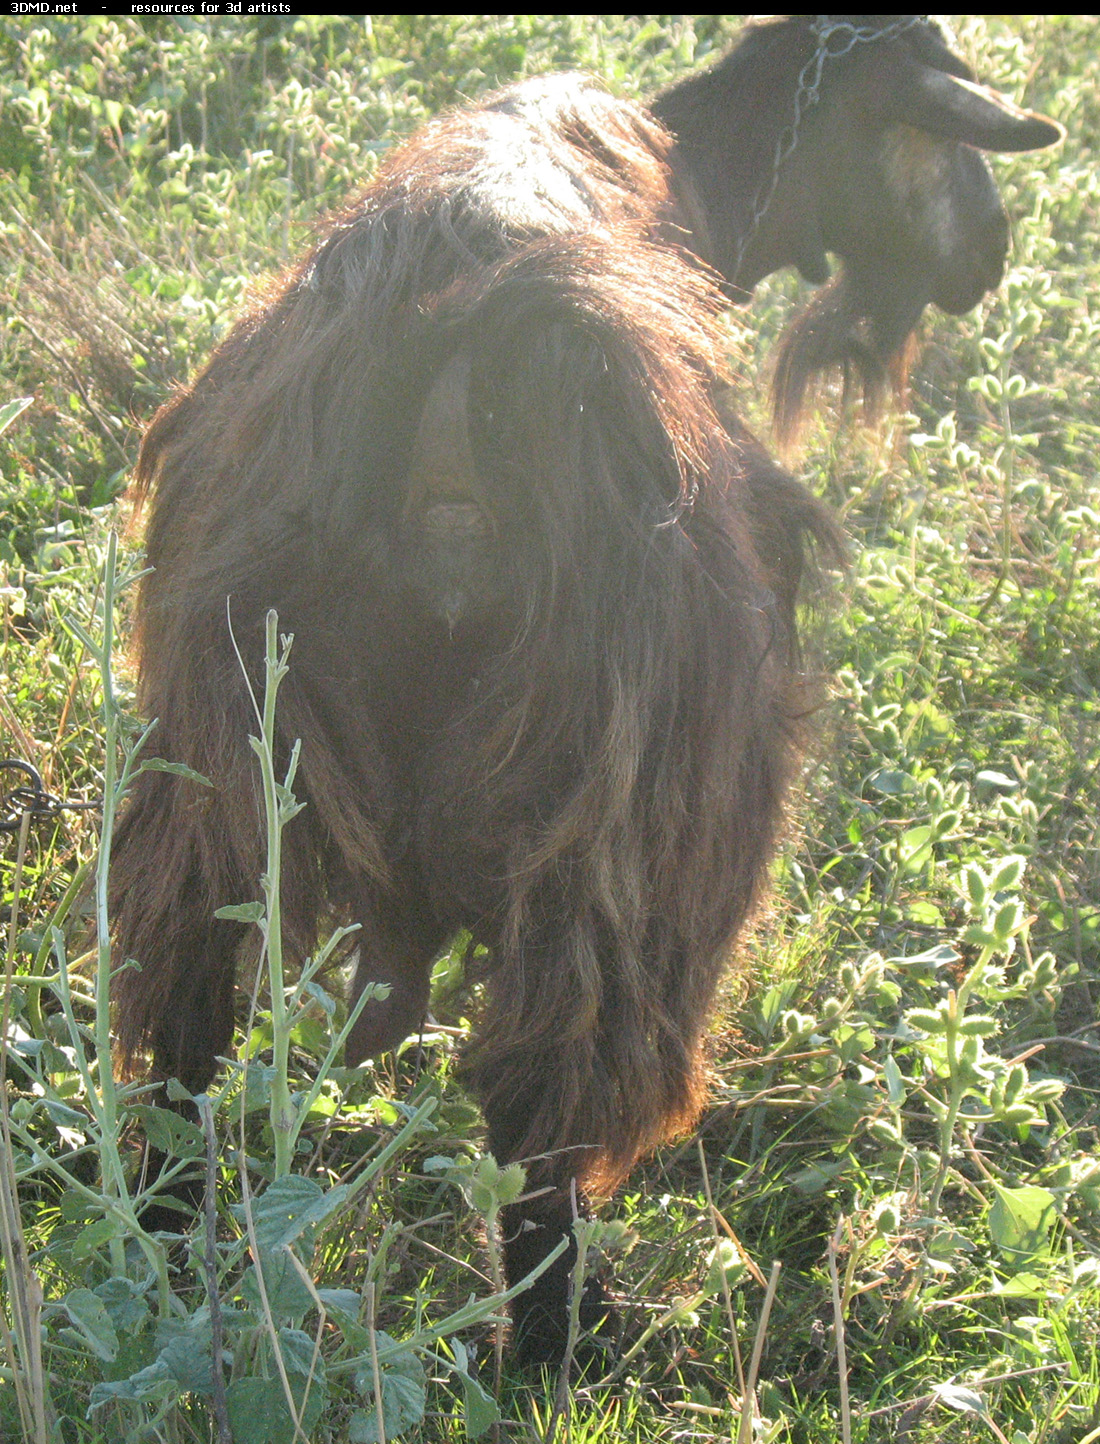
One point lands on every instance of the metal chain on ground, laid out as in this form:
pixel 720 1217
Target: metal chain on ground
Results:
pixel 835 38
pixel 32 797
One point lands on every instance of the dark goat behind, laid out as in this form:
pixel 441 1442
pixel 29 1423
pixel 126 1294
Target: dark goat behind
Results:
pixel 545 672
pixel 855 135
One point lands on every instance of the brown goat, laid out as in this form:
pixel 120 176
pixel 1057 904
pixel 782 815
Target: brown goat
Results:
pixel 857 135
pixel 545 673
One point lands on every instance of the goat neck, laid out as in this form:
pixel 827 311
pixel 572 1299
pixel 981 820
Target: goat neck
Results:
pixel 748 216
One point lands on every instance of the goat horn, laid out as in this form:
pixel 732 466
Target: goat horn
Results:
pixel 957 109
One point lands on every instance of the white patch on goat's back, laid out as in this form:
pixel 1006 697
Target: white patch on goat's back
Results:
pixel 918 169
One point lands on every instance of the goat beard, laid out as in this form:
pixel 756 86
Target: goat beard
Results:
pixel 864 326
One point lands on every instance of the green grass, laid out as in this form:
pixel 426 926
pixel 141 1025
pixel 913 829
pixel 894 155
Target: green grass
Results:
pixel 905 1099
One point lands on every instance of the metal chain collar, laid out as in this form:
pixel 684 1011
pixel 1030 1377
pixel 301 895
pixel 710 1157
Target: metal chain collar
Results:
pixel 835 38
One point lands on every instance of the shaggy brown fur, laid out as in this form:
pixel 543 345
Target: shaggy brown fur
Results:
pixel 545 673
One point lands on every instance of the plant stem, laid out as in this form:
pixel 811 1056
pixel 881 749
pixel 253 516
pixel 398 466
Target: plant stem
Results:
pixel 282 1108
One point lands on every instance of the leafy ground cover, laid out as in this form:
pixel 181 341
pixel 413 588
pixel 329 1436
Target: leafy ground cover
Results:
pixel 904 1112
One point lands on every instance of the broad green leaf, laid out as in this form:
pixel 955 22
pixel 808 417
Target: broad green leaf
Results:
pixel 190 1360
pixel 93 1323
pixel 170 1131
pixel 12 409
pixel 179 769
pixel 1020 1222
pixel 895 1083
pixel 125 1303
pixel 93 1236
pixel 482 1411
pixel 258 1413
pixel 342 1304
pixel 403 1397
pixel 284 1288
pixel 890 782
pixel 156 1382
pixel 964 1401
pixel 291 1205
pixel 90 1317
pixel 252 912
pixel 1022 1286
pixel 65 1117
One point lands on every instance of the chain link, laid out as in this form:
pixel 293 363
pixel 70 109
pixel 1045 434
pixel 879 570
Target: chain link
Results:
pixel 32 797
pixel 835 38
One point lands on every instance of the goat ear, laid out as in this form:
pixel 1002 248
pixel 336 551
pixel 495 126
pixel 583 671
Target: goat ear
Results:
pixel 957 109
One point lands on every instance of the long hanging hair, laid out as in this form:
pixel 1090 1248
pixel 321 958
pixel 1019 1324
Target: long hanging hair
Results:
pixel 587 767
